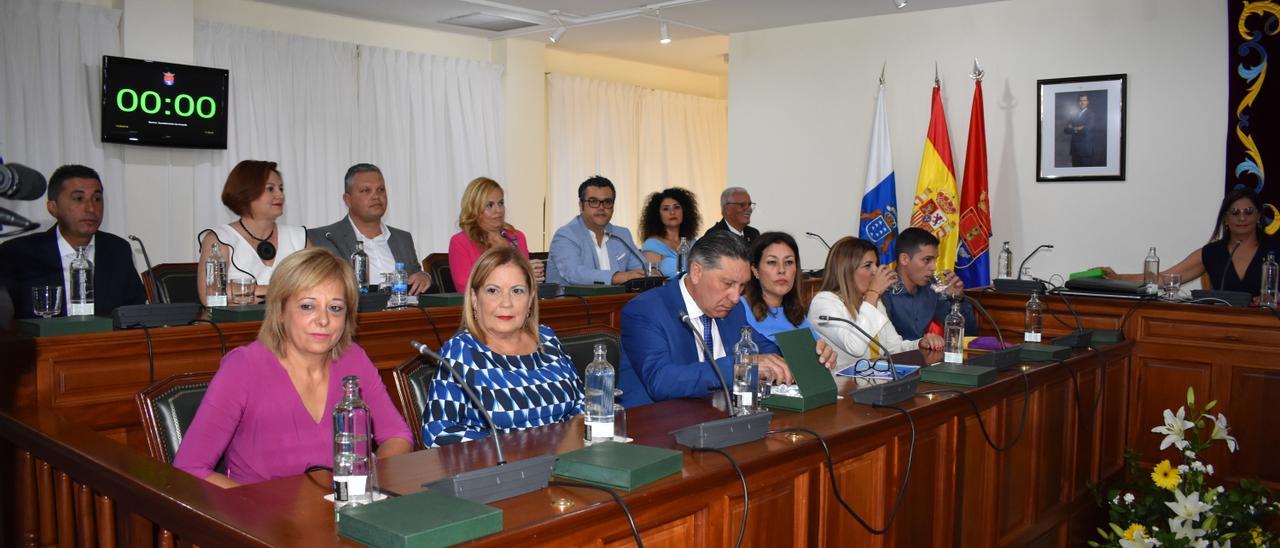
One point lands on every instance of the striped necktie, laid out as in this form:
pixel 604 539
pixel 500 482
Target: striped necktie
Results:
pixel 706 335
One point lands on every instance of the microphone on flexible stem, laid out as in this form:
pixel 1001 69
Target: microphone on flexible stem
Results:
pixel 1029 256
pixel 497 482
pixel 820 239
pixel 888 393
pixel 648 267
pixel 508 237
pixel 329 236
pixel 1079 337
pixel 1223 278
pixel 19 182
pixel 161 290
pixel 1003 358
pixel 1019 285
pixel 733 430
pixel 9 218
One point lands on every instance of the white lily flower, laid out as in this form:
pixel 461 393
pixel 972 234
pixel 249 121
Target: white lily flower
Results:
pixel 1222 432
pixel 1128 498
pixel 1184 529
pixel 1226 544
pixel 1182 468
pixel 1187 507
pixel 1208 468
pixel 1197 466
pixel 1139 541
pixel 1174 428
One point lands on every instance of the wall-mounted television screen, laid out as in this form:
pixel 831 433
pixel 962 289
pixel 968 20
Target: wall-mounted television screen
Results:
pixel 163 104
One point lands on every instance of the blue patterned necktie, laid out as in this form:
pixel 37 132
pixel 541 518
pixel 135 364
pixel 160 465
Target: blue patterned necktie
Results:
pixel 706 335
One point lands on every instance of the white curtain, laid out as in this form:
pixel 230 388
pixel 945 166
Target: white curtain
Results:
pixel 641 139
pixel 291 101
pixel 431 124
pixel 50 74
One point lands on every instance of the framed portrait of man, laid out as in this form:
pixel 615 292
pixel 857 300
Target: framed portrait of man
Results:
pixel 1081 129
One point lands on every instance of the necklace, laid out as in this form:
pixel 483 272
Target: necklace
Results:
pixel 265 250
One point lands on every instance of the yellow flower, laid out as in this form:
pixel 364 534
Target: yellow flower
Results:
pixel 1256 534
pixel 1135 530
pixel 1165 476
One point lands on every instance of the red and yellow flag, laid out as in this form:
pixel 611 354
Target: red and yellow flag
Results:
pixel 973 261
pixel 936 207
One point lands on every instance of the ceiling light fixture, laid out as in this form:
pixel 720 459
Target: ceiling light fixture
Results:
pixel 900 3
pixel 557 35
pixel 664 37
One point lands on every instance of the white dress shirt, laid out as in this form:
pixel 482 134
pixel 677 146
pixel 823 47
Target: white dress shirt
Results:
pixel 68 254
pixel 381 261
pixel 602 250
pixel 850 345
pixel 695 314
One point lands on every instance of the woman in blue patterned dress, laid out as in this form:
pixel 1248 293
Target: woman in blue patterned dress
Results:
pixel 516 366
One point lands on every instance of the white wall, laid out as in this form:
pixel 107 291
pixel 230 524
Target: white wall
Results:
pixel 801 101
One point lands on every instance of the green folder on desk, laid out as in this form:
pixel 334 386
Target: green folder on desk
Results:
pixel 817 386
pixel 623 465
pixel 427 518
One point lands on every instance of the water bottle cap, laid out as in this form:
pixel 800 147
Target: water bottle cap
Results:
pixel 399 266
pixel 350 379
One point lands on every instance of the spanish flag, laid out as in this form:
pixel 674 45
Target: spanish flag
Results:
pixel 935 207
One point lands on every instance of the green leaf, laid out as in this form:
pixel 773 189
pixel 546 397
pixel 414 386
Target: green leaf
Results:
pixel 1191 396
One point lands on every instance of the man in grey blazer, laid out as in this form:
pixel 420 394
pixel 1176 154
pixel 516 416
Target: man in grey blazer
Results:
pixel 588 250
pixel 365 193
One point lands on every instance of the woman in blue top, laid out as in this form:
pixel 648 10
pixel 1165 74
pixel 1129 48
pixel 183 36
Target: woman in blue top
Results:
pixel 516 366
pixel 668 216
pixel 772 297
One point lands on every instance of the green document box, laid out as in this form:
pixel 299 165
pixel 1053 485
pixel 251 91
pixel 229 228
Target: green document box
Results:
pixel 1036 352
pixel 436 300
pixel 427 518
pixel 239 313
pixel 623 465
pixel 70 325
pixel 593 290
pixel 817 386
pixel 962 375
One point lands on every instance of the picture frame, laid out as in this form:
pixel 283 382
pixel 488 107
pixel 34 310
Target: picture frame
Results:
pixel 1080 129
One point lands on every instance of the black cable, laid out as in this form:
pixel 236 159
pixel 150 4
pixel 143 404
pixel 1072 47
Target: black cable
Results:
pixel 835 487
pixel 635 532
pixel 1054 315
pixel 982 425
pixel 746 502
pixel 1075 383
pixel 1125 319
pixel 586 308
pixel 151 353
pixel 435 328
pixel 222 341
pixel 317 468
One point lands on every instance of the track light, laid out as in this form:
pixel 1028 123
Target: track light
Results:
pixel 900 3
pixel 557 35
pixel 663 37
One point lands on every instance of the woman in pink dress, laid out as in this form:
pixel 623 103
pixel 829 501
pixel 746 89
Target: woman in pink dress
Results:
pixel 483 220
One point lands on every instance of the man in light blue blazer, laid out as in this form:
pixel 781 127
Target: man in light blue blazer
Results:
pixel 662 360
pixel 588 250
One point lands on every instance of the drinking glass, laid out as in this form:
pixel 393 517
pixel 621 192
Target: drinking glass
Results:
pixel 242 290
pixel 1170 283
pixel 46 300
pixel 619 423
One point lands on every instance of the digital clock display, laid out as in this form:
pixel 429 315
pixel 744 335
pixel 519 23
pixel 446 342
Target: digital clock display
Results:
pixel 163 104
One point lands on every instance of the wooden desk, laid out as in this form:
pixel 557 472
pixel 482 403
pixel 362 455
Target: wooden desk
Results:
pixel 71 481
pixel 92 379
pixel 1231 355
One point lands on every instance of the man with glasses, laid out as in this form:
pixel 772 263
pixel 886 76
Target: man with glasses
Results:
pixel 736 208
pixel 588 250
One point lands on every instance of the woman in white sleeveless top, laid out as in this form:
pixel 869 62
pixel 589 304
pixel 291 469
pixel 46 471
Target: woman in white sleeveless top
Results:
pixel 253 244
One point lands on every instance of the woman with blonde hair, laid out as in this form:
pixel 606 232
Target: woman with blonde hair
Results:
pixel 483 220
pixel 851 290
pixel 268 409
pixel 516 366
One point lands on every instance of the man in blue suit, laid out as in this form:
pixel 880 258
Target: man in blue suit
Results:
pixel 661 358
pixel 588 250
pixel 44 258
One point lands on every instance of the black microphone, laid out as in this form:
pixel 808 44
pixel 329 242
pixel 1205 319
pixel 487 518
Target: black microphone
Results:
pixel 329 236
pixel 509 237
pixel 646 265
pixel 19 182
pixel 711 359
pixel 495 482
pixel 9 218
pixel 161 290
pixel 1029 256
pixel 887 393
pixel 1222 280
pixel 820 239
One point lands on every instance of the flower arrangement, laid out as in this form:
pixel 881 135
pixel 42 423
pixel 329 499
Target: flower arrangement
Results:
pixel 1176 505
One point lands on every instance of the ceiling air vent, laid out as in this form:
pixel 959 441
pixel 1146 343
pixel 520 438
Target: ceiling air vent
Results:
pixel 489 22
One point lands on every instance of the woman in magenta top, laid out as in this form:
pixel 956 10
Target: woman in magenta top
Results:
pixel 483 220
pixel 269 409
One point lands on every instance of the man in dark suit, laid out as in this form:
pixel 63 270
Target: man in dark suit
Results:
pixel 736 208
pixel 661 358
pixel 1081 127
pixel 365 193
pixel 44 258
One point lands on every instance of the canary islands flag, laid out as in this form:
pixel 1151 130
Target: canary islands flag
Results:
pixel 973 259
pixel 935 207
pixel 878 222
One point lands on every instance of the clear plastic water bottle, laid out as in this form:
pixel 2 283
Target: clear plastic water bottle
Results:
pixel 953 339
pixel 399 287
pixel 1004 266
pixel 598 419
pixel 1151 268
pixel 1034 323
pixel 746 373
pixel 354 476
pixel 360 264
pixel 81 298
pixel 1270 281
pixel 682 255
pixel 215 277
